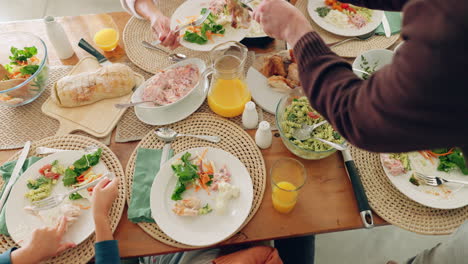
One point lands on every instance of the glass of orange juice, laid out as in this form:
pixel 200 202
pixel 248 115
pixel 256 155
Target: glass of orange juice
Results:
pixel 287 178
pixel 106 39
pixel 228 92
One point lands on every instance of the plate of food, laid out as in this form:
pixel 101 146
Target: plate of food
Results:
pixel 197 188
pixel 228 21
pixel 447 163
pixel 344 19
pixel 276 76
pixel 176 92
pixel 55 174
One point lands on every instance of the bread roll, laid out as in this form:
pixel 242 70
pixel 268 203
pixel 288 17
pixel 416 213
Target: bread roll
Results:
pixel 110 81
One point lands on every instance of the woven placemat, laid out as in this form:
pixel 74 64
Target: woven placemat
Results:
pixel 84 252
pixel 396 208
pixel 138 30
pixel 20 124
pixel 351 48
pixel 234 140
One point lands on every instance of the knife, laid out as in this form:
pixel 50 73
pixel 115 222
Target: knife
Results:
pixel 386 26
pixel 15 173
pixel 355 178
pixel 91 50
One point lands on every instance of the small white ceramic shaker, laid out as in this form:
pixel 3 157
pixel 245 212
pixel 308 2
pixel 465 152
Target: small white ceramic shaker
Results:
pixel 263 136
pixel 250 116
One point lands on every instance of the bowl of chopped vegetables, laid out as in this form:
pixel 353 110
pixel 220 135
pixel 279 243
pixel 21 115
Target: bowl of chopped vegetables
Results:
pixel 23 68
pixel 292 112
pixel 372 61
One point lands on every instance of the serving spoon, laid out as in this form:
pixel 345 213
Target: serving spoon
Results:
pixel 123 106
pixel 305 132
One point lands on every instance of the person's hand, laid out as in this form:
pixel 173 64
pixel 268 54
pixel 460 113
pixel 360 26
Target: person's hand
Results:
pixel 161 27
pixel 282 20
pixel 45 243
pixel 104 194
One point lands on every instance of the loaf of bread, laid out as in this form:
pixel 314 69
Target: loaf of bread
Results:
pixel 110 81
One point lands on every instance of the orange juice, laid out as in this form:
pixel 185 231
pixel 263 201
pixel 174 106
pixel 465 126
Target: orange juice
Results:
pixel 228 97
pixel 107 39
pixel 284 196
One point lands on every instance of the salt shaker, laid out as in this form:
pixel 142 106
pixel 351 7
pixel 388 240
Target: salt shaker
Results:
pixel 58 38
pixel 250 116
pixel 263 135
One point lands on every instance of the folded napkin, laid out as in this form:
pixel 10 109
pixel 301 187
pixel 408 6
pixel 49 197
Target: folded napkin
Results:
pixel 5 171
pixel 394 20
pixel 146 168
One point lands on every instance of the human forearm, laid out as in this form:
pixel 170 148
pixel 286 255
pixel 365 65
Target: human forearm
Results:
pixel 103 229
pixel 147 9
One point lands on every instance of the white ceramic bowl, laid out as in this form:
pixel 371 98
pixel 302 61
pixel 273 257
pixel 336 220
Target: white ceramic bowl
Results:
pixel 376 58
pixel 137 95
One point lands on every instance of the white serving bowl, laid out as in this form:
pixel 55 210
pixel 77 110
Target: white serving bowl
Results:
pixel 375 57
pixel 137 95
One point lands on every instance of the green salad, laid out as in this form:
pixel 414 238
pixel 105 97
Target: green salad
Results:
pixel 300 112
pixel 205 32
pixel 186 173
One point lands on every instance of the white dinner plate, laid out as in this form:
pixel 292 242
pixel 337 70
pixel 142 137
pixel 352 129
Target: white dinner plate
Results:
pixel 346 32
pixel 192 8
pixel 20 224
pixel 435 197
pixel 261 92
pixel 159 116
pixel 203 230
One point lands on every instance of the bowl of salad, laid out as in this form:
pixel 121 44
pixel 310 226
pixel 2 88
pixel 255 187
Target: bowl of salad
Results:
pixel 372 61
pixel 23 68
pixel 292 112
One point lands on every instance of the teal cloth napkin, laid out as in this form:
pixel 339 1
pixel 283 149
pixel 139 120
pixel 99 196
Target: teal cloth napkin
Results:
pixel 5 171
pixel 146 168
pixel 394 19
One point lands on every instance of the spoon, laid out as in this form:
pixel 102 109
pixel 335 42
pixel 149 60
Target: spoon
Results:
pixel 167 137
pixel 123 106
pixel 172 56
pixel 305 131
pixel 362 37
pixel 170 134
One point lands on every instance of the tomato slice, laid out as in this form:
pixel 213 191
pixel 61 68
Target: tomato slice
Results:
pixel 45 169
pixel 313 115
pixel 52 175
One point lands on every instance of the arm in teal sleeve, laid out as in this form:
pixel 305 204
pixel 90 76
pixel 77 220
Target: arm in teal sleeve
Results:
pixel 106 252
pixel 5 257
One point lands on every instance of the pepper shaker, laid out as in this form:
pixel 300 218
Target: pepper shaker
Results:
pixel 263 136
pixel 250 116
pixel 58 38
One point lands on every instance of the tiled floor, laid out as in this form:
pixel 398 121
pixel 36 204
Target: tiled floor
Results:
pixel 377 245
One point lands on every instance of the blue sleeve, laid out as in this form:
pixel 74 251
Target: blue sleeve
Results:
pixel 5 257
pixel 106 252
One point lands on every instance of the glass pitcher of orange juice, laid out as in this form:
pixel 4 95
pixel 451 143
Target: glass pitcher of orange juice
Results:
pixel 228 92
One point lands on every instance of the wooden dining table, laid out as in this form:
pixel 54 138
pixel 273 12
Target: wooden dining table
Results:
pixel 326 202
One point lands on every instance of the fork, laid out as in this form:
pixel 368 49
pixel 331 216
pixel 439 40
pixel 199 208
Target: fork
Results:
pixel 194 24
pixel 55 200
pixel 45 150
pixel 436 181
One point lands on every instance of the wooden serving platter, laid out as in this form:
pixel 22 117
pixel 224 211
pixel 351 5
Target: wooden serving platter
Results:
pixel 98 119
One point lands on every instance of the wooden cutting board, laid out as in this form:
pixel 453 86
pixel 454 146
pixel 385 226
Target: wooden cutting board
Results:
pixel 98 119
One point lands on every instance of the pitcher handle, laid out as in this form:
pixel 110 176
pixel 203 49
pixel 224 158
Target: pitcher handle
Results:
pixel 209 71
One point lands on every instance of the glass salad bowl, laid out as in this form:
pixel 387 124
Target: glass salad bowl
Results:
pixel 281 121
pixel 24 68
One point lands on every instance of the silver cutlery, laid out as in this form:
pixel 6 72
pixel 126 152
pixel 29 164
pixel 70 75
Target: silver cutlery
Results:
pixel 194 24
pixel 176 57
pixel 361 71
pixel 436 181
pixel 15 173
pixel 122 106
pixel 362 37
pixel 165 135
pixel 46 151
pixel 169 133
pixel 56 200
pixel 386 26
pixel 305 132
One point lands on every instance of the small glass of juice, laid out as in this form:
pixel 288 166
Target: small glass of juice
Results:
pixel 287 178
pixel 106 39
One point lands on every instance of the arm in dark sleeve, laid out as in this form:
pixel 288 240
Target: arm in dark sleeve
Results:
pixel 107 252
pixel 5 257
pixel 408 105
pixel 389 5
